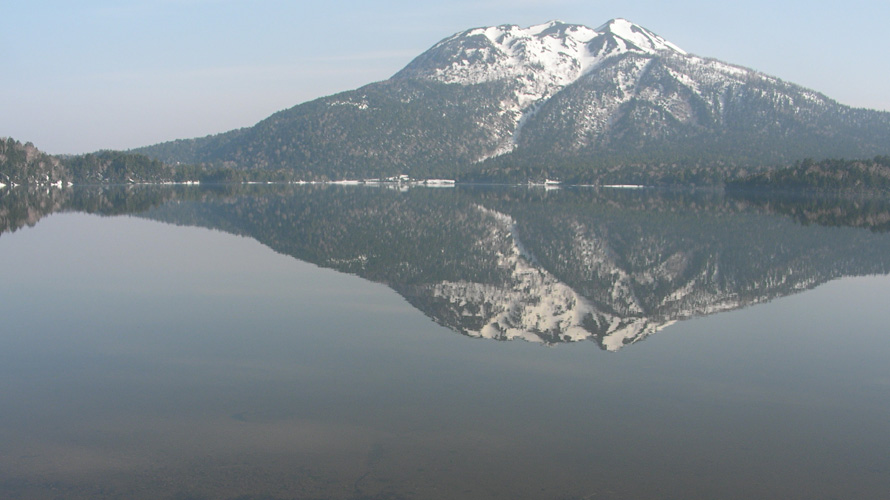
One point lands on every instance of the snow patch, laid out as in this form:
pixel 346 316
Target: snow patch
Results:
pixel 360 105
pixel 640 37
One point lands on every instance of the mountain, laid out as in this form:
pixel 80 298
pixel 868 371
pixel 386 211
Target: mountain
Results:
pixel 555 99
pixel 534 63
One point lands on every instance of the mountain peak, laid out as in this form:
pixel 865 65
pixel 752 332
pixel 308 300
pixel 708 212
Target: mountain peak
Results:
pixel 555 51
pixel 616 23
pixel 541 57
pixel 507 34
pixel 535 62
pixel 540 28
pixel 638 36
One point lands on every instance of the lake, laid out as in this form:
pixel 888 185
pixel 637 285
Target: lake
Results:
pixel 307 342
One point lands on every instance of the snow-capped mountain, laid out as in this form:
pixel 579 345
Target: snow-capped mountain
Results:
pixel 606 84
pixel 500 102
pixel 536 62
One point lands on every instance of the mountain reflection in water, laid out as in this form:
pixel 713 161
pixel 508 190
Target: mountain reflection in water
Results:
pixel 612 266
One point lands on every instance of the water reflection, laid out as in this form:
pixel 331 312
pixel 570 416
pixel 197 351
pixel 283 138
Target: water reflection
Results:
pixel 140 359
pixel 612 266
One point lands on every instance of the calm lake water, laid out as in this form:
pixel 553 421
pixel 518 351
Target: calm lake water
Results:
pixel 484 343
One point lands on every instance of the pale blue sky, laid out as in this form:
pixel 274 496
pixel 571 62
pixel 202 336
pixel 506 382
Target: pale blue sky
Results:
pixel 116 74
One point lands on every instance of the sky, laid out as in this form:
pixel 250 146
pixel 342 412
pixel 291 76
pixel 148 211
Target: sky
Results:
pixel 82 76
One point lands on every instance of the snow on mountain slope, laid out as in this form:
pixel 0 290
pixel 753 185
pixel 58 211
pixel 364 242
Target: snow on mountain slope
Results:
pixel 639 100
pixel 535 62
pixel 544 57
pixel 586 82
pixel 640 38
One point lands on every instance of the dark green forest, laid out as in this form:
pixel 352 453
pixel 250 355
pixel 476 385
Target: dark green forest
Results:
pixel 24 164
pixel 826 175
